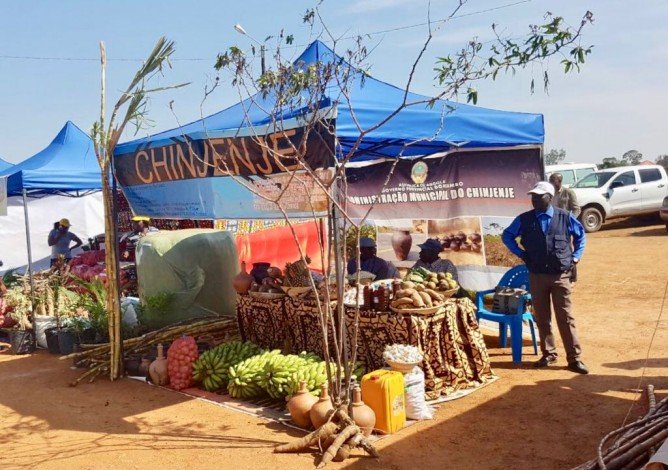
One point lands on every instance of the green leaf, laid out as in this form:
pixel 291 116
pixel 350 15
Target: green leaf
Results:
pixel 472 96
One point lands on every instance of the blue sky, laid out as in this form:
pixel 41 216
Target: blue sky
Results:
pixel 615 104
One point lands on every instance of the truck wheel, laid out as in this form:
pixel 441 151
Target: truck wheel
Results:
pixel 592 219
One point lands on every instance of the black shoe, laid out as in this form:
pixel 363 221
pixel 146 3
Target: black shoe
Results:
pixel 578 366
pixel 544 361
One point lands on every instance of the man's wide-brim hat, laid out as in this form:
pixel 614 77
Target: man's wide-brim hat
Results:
pixel 431 244
pixel 367 242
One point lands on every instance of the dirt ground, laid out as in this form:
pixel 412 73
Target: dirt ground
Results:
pixel 529 419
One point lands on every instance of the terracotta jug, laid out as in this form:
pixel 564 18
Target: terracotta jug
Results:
pixel 300 406
pixel 322 409
pixel 401 243
pixel 363 415
pixel 243 280
pixel 158 369
pixel 143 367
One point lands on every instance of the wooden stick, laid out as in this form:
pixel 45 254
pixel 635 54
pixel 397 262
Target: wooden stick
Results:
pixel 639 449
pixel 647 432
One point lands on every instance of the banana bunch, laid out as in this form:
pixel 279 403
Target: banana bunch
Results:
pixel 277 371
pixel 244 377
pixel 212 367
pixel 314 374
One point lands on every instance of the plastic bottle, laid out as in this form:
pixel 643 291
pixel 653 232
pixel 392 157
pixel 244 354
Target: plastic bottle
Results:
pixel 366 295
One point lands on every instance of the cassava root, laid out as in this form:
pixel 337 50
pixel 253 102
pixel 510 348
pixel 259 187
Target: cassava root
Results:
pixel 335 439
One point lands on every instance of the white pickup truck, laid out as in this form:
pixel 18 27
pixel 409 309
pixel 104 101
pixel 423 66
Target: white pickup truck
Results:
pixel 620 192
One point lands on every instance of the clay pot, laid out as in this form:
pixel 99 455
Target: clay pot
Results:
pixel 322 409
pixel 143 367
pixel 242 282
pixel 158 369
pixel 259 271
pixel 274 272
pixel 401 243
pixel 300 406
pixel 363 415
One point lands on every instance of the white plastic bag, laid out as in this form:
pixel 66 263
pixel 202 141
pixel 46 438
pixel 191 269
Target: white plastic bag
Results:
pixel 128 312
pixel 414 389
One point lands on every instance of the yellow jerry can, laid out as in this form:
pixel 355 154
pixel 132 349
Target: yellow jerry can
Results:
pixel 383 392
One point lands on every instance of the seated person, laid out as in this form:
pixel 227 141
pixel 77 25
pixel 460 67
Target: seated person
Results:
pixel 430 259
pixel 371 263
pixel 128 242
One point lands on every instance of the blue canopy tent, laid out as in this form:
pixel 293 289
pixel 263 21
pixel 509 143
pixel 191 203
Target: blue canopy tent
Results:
pixel 67 166
pixel 417 130
pixel 372 101
pixel 4 165
pixel 148 168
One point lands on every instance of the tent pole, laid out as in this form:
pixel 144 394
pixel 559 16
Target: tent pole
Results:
pixel 32 284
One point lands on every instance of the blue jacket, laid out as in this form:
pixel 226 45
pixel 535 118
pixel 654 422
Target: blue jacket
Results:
pixel 546 239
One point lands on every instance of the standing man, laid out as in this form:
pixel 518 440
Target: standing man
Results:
pixel 60 239
pixel 564 198
pixel 547 234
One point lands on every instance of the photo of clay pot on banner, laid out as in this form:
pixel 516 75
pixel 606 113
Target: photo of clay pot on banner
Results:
pixel 398 240
pixel 461 239
pixel 496 253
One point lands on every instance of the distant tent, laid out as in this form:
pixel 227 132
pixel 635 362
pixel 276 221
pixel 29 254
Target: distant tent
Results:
pixel 4 165
pixel 67 172
pixel 68 164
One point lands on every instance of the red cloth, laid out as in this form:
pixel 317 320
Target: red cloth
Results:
pixel 277 245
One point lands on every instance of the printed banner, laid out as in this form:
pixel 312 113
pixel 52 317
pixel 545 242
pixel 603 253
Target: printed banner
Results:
pixel 462 183
pixel 463 200
pixel 231 174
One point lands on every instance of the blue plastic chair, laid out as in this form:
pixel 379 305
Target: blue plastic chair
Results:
pixel 517 277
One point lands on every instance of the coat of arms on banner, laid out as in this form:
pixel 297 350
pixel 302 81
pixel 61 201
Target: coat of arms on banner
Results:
pixel 419 172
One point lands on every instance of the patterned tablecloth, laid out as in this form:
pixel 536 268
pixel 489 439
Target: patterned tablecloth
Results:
pixel 454 349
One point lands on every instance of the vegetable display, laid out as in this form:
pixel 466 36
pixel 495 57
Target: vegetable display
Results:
pixel 212 367
pixel 423 289
pixel 180 357
pixel 402 353
pixel 244 376
pixel 279 369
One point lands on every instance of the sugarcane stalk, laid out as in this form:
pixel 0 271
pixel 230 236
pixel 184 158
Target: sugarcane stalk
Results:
pixel 90 372
pixel 101 354
pixel 637 462
pixel 647 431
pixel 638 448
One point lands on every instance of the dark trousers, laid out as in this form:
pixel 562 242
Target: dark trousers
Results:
pixel 554 290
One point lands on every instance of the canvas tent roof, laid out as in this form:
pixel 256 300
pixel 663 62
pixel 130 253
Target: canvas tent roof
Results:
pixel 4 165
pixel 67 164
pixel 372 100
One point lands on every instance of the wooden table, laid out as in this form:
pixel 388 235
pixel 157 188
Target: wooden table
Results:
pixel 453 346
